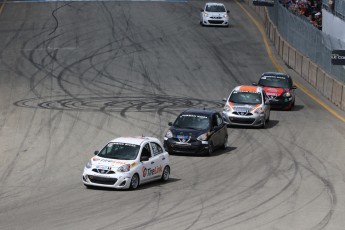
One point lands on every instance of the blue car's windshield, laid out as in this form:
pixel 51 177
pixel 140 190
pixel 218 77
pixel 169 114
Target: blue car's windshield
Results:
pixel 192 121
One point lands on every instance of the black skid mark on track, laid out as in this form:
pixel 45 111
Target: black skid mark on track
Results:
pixel 121 104
pixel 55 18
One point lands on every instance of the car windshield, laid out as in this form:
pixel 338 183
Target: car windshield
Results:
pixel 215 8
pixel 245 98
pixel 120 151
pixel 192 121
pixel 274 81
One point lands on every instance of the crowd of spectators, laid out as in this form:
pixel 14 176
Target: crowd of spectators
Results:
pixel 310 9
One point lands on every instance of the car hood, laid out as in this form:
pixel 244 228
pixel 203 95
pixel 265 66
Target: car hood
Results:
pixel 187 133
pixel 240 108
pixel 109 164
pixel 216 14
pixel 273 91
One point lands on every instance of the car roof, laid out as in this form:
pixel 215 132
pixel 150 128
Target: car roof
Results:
pixel 134 140
pixel 275 74
pixel 199 111
pixel 248 88
pixel 214 3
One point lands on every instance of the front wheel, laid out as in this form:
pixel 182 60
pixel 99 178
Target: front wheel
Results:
pixel 209 150
pixel 134 182
pixel 165 174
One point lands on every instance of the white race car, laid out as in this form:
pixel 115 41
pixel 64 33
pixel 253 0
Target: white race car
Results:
pixel 214 14
pixel 127 162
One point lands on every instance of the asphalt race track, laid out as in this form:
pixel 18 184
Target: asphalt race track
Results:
pixel 74 75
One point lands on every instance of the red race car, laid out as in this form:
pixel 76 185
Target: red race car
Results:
pixel 279 89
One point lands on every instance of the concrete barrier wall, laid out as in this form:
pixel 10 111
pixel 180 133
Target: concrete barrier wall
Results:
pixel 292 57
pixel 320 80
pixel 337 92
pixel 342 106
pixel 305 68
pixel 286 52
pixel 332 89
pixel 298 64
pixel 312 73
pixel 328 87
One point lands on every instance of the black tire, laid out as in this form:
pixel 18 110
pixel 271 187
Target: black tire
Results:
pixel 134 184
pixel 225 143
pixel 268 118
pixel 165 174
pixel 263 126
pixel 209 150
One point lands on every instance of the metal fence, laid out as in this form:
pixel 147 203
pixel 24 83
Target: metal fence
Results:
pixel 307 39
pixel 338 10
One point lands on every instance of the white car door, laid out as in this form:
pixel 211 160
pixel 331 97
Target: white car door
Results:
pixel 148 171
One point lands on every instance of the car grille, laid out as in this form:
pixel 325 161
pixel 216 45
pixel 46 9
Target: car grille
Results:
pixel 102 180
pixel 242 113
pixel 216 17
pixel 190 141
pixel 103 171
pixel 242 121
pixel 215 21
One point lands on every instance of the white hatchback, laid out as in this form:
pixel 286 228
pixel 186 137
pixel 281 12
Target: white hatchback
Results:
pixel 127 162
pixel 214 14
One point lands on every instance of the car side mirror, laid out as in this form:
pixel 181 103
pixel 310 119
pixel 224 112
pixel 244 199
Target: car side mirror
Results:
pixel 294 87
pixel 224 99
pixel 170 123
pixel 254 83
pixel 202 10
pixel 96 152
pixel 144 158
pixel 228 11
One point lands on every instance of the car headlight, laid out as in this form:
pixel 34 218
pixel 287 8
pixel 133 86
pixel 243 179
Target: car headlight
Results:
pixel 169 134
pixel 202 137
pixel 259 110
pixel 88 164
pixel 287 94
pixel 225 15
pixel 124 168
pixel 205 14
pixel 227 108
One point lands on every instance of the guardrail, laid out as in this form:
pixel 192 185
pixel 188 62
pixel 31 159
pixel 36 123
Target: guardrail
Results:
pixel 331 88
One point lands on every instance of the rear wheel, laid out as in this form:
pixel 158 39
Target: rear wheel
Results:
pixel 166 174
pixel 134 182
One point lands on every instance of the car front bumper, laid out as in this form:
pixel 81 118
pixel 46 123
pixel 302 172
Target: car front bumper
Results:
pixel 118 181
pixel 208 21
pixel 176 147
pixel 253 120
pixel 282 103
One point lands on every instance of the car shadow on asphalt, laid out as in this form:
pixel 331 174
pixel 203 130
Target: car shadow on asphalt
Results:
pixel 269 125
pixel 295 108
pixel 216 152
pixel 156 183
